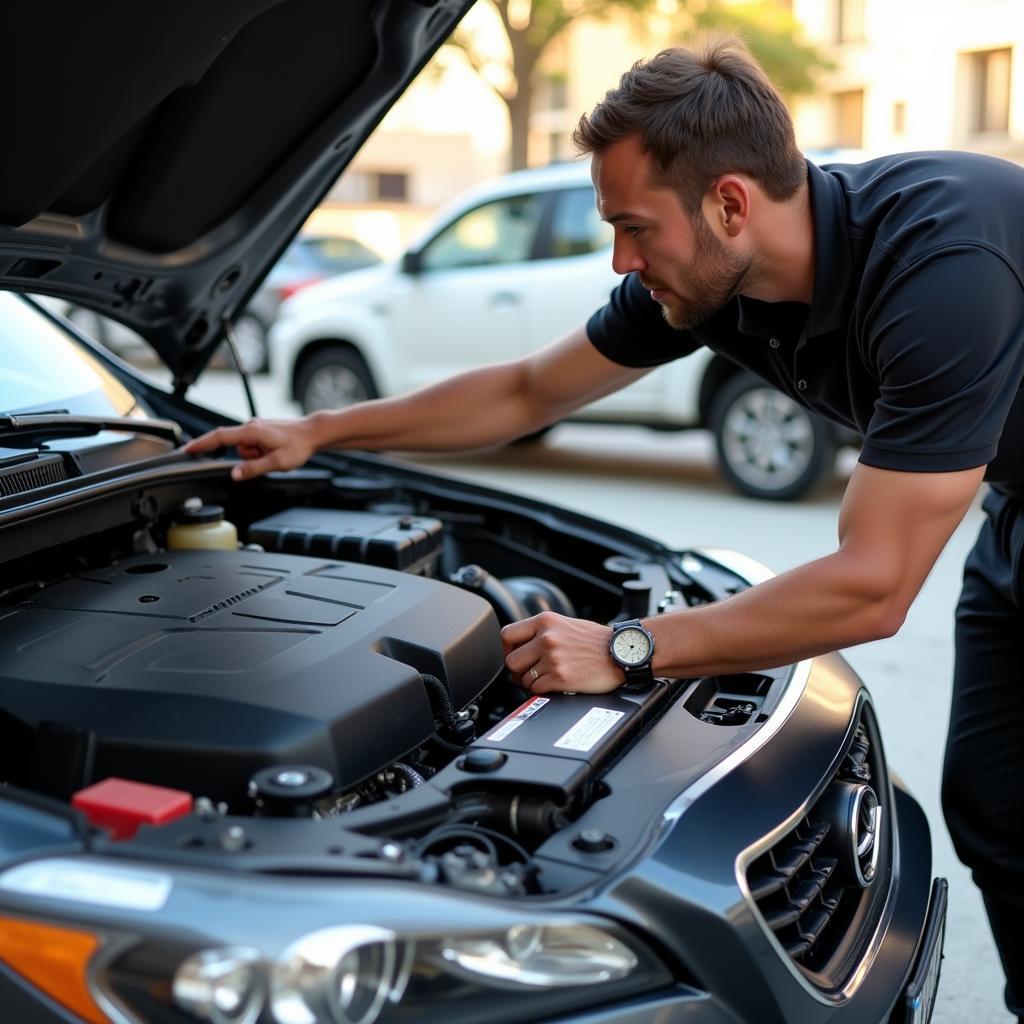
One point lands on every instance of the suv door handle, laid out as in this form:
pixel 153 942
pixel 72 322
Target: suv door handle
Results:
pixel 505 298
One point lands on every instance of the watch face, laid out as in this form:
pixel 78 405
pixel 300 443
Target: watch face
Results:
pixel 631 646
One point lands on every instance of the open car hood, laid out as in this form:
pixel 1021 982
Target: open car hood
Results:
pixel 163 157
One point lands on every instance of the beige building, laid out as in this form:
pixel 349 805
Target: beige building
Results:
pixel 916 74
pixel 910 74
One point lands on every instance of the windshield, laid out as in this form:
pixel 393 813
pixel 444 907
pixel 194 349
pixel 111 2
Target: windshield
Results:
pixel 44 369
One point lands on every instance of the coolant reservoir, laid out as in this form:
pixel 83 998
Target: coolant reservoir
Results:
pixel 199 526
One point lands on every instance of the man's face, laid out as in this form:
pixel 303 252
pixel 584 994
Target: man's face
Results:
pixel 686 268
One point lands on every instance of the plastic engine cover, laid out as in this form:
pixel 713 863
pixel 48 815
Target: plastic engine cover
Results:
pixel 193 669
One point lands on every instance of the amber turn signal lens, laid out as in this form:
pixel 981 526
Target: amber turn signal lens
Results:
pixel 55 960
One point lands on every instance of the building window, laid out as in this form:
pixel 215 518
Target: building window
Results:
pixel 848 113
pixel 558 92
pixel 989 83
pixel 849 21
pixel 371 187
pixel 899 118
pixel 393 186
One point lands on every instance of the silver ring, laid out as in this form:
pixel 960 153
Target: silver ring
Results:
pixel 533 673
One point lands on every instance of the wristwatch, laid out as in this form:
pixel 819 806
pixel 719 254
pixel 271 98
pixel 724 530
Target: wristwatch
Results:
pixel 632 649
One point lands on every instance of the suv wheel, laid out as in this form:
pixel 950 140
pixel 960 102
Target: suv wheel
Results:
pixel 333 378
pixel 768 445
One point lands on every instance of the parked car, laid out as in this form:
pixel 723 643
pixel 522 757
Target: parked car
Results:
pixel 291 782
pixel 507 267
pixel 309 259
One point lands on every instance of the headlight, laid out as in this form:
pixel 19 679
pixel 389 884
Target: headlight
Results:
pixel 366 974
pixel 223 986
pixel 541 957
pixel 417 953
pixel 344 975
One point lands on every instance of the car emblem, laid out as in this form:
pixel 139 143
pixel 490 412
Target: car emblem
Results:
pixel 864 826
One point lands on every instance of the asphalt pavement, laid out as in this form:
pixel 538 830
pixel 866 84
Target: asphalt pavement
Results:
pixel 666 485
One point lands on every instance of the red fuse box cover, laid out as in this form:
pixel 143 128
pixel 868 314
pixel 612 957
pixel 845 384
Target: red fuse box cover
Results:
pixel 122 806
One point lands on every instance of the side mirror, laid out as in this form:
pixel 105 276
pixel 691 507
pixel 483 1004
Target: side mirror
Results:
pixel 411 263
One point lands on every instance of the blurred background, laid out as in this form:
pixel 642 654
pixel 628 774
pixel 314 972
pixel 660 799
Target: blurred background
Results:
pixel 875 76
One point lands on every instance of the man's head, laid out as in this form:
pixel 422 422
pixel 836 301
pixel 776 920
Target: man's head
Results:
pixel 687 137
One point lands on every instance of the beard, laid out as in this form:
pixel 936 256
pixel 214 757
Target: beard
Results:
pixel 711 279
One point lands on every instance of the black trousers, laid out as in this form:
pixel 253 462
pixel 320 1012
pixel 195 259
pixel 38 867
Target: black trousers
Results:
pixel 983 775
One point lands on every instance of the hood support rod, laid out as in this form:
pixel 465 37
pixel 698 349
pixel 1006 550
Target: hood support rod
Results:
pixel 229 336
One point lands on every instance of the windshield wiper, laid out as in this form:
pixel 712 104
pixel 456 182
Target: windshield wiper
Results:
pixel 32 428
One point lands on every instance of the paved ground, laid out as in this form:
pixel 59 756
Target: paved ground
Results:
pixel 665 485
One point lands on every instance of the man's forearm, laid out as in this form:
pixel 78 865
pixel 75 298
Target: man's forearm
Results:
pixel 819 607
pixel 473 410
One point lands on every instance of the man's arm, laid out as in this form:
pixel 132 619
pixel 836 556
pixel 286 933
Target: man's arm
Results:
pixel 892 527
pixel 483 407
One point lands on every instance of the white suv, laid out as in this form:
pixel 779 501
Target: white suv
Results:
pixel 502 270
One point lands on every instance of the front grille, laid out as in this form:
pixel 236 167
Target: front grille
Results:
pixel 796 887
pixel 46 469
pixel 816 885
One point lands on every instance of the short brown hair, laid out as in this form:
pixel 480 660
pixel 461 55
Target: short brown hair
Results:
pixel 701 112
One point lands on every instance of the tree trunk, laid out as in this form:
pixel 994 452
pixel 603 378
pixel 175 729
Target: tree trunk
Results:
pixel 519 127
pixel 525 54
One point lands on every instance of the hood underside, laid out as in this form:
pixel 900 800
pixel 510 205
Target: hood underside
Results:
pixel 164 156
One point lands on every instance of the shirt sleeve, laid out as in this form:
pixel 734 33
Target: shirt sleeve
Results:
pixel 631 331
pixel 946 340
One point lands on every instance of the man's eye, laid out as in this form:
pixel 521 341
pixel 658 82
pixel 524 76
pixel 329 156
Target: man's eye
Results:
pixel 633 230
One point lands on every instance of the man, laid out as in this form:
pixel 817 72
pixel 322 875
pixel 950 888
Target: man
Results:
pixel 888 296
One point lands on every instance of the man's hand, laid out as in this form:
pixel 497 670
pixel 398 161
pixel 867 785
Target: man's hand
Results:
pixel 266 445
pixel 566 654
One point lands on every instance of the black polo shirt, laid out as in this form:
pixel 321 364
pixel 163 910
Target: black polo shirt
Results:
pixel 915 334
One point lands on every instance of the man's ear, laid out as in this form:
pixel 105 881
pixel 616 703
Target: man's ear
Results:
pixel 729 201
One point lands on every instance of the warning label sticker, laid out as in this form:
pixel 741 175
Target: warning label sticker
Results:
pixel 516 719
pixel 589 729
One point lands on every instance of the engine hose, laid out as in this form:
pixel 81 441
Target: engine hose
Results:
pixel 537 595
pixel 506 605
pixel 443 703
pixel 408 772
pixel 522 816
pixel 445 747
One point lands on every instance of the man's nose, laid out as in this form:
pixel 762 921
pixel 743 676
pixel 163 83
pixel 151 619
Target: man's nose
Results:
pixel 625 256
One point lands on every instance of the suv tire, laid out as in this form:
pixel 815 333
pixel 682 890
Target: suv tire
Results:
pixel 333 378
pixel 768 445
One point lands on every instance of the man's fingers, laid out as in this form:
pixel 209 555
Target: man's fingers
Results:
pixel 517 633
pixel 222 437
pixel 256 467
pixel 522 659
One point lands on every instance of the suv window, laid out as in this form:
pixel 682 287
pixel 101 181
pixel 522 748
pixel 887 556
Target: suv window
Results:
pixel 499 232
pixel 576 228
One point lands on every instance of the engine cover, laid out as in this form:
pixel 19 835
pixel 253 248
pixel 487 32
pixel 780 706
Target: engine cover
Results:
pixel 194 669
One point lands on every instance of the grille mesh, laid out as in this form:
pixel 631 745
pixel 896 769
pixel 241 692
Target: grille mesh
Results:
pixel 806 894
pixel 18 479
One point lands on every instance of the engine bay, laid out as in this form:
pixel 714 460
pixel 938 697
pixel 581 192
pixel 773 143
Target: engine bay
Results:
pixel 328 692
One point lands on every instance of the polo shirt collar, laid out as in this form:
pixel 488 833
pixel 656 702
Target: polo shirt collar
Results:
pixel 833 262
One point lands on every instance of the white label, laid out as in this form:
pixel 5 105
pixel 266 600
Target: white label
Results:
pixel 589 729
pixel 516 719
pixel 88 882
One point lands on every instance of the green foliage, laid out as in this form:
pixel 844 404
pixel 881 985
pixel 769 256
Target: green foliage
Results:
pixel 770 33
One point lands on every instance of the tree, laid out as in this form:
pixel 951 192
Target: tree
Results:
pixel 530 26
